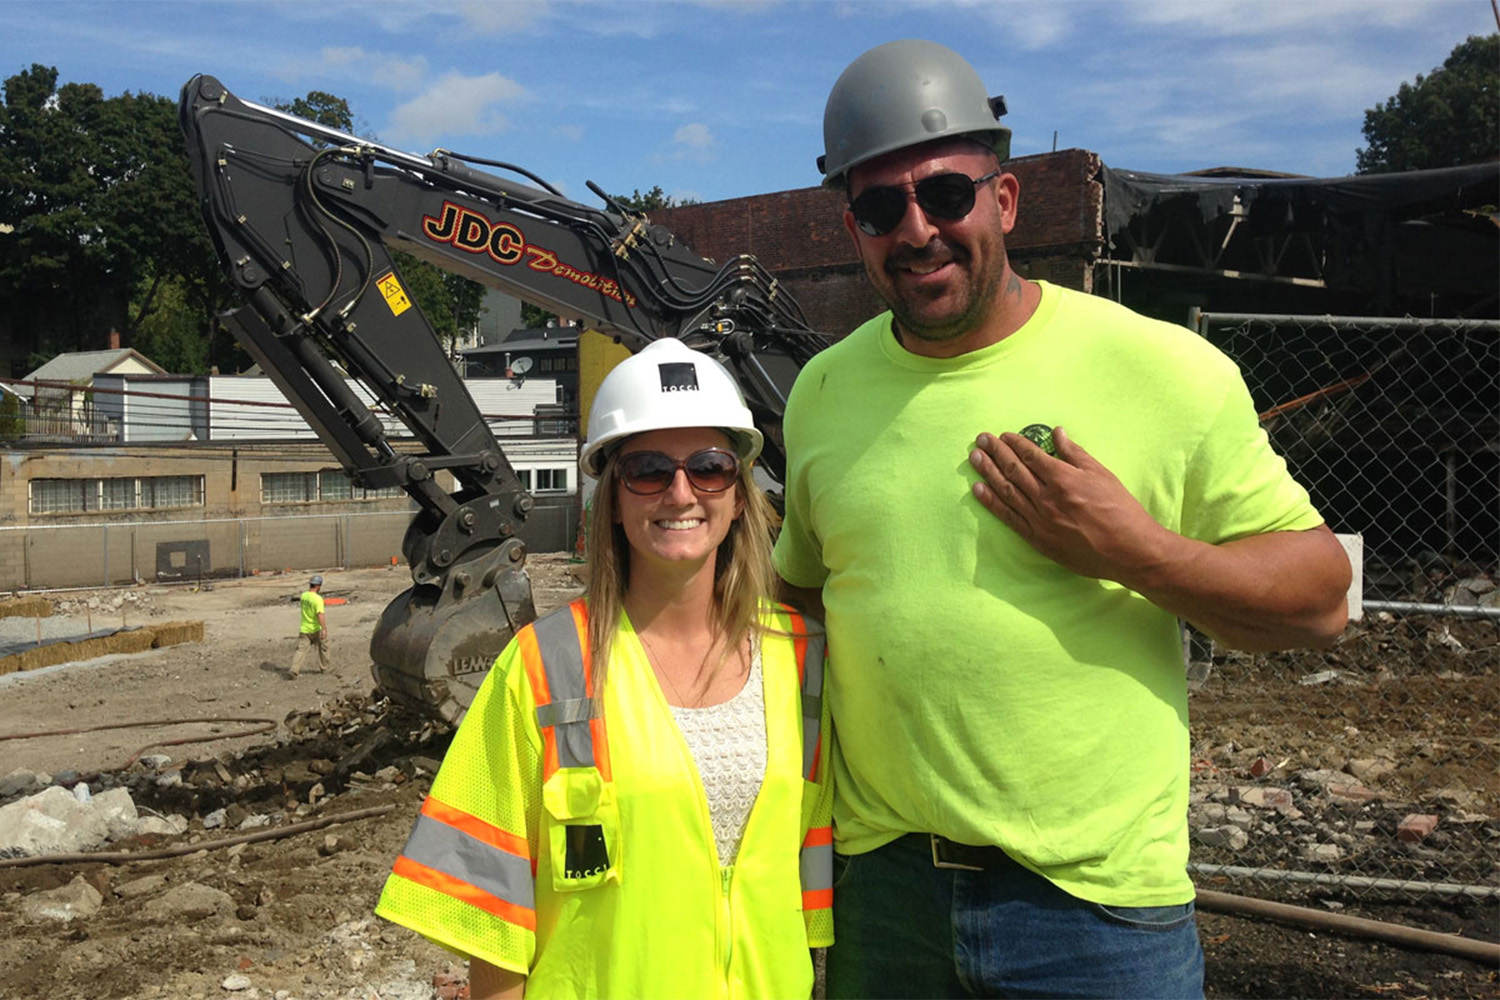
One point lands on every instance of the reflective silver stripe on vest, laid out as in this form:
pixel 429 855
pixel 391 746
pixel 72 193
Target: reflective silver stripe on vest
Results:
pixel 571 708
pixel 816 866
pixel 439 846
pixel 812 703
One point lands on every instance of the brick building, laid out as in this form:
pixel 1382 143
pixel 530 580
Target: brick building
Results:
pixel 1421 243
pixel 799 235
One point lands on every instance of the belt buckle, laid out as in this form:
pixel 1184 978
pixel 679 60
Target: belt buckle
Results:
pixel 938 862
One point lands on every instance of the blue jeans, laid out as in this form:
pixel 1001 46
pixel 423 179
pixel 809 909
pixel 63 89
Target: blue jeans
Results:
pixel 905 928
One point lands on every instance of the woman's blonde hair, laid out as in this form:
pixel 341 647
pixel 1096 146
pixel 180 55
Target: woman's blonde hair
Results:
pixel 743 574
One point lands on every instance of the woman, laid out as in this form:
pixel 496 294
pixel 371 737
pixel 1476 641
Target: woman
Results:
pixel 634 799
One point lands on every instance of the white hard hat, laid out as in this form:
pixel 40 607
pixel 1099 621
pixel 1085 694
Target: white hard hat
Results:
pixel 667 384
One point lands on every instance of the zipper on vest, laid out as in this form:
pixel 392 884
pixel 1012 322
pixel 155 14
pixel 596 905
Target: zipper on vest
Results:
pixel 726 876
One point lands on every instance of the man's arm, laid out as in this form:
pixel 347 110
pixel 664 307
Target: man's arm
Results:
pixel 1278 590
pixel 322 622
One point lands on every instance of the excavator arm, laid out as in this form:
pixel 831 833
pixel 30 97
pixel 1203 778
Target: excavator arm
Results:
pixel 305 219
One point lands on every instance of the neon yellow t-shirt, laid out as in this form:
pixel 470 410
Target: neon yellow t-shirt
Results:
pixel 312 607
pixel 981 691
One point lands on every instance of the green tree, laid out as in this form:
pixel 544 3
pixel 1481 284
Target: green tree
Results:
pixel 451 303
pixel 103 208
pixel 12 424
pixel 171 332
pixel 652 200
pixel 535 317
pixel 1445 119
pixel 321 107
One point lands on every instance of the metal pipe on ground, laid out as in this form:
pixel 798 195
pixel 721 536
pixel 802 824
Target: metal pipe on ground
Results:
pixel 1448 890
pixel 1407 937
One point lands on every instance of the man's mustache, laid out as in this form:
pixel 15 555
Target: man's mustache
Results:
pixel 935 251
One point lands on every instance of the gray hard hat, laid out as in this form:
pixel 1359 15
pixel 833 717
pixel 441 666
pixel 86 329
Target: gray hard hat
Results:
pixel 316 581
pixel 900 94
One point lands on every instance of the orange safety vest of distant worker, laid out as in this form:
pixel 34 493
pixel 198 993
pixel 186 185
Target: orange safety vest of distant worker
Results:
pixel 589 863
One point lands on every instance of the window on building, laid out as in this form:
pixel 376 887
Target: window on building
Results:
pixel 335 484
pixel 288 487
pixel 78 496
pixel 525 477
pixel 328 485
pixel 57 496
pixel 117 494
pixel 551 480
pixel 172 491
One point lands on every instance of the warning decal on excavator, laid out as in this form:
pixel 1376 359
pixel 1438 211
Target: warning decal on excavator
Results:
pixel 395 295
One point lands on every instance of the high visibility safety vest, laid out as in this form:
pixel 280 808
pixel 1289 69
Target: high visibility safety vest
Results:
pixel 574 844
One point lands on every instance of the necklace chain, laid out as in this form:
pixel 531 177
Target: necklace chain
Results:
pixel 658 665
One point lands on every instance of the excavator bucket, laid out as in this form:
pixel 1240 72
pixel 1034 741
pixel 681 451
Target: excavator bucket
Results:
pixel 433 648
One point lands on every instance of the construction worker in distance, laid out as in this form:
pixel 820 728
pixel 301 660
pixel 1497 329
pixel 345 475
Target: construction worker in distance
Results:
pixel 313 632
pixel 637 801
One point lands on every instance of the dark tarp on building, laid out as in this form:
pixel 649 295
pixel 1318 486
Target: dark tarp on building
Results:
pixel 1420 243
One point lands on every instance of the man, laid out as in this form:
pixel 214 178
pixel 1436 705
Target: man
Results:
pixel 314 629
pixel 1008 692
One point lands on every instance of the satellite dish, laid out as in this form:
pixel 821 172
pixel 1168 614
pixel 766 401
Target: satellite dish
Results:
pixel 521 366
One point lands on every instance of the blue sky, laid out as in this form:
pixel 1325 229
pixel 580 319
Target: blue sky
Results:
pixel 725 99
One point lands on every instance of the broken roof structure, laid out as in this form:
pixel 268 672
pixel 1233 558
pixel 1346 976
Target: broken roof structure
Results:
pixel 1420 243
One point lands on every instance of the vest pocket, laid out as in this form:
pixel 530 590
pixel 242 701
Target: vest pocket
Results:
pixel 583 829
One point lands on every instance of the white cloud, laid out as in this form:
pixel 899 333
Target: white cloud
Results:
pixel 1273 18
pixel 695 136
pixel 488 17
pixel 381 68
pixel 455 105
pixel 568 133
pixel 694 142
pixel 1028 27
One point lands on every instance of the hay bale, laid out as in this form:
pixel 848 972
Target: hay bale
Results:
pixel 133 640
pixel 26 607
pixel 174 633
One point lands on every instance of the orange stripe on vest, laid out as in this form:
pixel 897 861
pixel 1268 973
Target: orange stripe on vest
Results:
pixel 477 828
pixel 464 892
pixel 531 659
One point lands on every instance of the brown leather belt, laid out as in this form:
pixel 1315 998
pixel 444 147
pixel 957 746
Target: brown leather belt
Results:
pixel 965 857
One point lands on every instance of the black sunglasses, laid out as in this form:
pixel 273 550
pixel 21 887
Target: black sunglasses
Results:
pixel 878 210
pixel 647 473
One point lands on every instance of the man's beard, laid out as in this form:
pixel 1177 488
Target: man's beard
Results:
pixel 979 292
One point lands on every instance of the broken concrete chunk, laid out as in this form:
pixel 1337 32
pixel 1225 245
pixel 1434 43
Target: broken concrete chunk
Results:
pixel 189 901
pixel 65 904
pixel 143 886
pixel 1231 837
pixel 1322 853
pixel 50 822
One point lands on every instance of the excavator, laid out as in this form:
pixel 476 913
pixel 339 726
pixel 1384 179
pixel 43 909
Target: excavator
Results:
pixel 304 220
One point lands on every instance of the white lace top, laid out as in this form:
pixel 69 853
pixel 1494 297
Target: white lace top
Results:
pixel 728 742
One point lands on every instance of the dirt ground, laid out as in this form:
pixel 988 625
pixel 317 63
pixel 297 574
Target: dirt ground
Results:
pixel 290 918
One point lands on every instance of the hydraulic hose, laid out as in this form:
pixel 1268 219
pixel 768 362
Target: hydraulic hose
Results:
pixel 1484 952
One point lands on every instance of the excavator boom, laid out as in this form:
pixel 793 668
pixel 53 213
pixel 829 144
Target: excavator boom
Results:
pixel 305 219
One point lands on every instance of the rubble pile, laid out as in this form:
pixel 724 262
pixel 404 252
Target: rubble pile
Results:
pixel 243 906
pixel 1322 820
pixel 359 743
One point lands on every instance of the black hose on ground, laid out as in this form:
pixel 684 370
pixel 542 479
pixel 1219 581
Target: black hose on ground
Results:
pixel 127 857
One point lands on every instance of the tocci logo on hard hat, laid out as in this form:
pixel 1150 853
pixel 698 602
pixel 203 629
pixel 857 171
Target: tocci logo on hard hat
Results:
pixel 678 376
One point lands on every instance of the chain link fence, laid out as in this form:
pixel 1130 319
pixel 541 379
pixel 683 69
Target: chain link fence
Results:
pixel 1372 767
pixel 114 553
